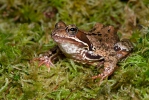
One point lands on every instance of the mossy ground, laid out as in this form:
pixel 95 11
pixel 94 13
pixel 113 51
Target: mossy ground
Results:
pixel 25 28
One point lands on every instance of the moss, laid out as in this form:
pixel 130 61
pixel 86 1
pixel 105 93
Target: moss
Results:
pixel 25 28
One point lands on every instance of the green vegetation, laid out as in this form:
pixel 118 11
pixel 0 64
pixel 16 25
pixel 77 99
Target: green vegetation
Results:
pixel 25 28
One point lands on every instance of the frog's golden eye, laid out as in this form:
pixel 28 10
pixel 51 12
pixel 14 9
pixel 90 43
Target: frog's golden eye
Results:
pixel 71 30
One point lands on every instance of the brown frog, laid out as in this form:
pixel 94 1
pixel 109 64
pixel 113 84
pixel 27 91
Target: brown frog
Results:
pixel 100 46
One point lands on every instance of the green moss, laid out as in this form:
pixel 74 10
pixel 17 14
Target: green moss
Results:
pixel 25 28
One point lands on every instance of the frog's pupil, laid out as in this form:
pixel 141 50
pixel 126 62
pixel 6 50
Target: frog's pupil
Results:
pixel 73 29
pixel 116 48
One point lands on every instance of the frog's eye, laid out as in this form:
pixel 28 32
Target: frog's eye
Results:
pixel 117 48
pixel 71 30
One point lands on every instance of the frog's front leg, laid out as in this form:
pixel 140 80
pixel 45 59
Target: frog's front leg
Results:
pixel 47 58
pixel 109 67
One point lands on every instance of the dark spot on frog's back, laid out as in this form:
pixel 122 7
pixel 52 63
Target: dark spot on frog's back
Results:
pixel 109 30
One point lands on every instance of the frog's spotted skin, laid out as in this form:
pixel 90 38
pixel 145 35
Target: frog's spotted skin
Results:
pixel 101 44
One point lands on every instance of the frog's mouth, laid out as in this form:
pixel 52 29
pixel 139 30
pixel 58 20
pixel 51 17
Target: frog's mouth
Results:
pixel 70 40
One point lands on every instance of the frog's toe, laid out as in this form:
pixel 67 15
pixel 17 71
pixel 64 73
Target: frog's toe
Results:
pixel 97 76
pixel 101 76
pixel 45 60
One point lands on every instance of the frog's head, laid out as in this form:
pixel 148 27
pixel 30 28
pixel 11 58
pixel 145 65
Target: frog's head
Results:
pixel 74 43
pixel 70 34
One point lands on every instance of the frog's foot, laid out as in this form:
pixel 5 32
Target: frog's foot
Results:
pixel 102 76
pixel 45 60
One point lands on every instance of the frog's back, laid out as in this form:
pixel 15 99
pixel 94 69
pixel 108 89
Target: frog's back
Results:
pixel 104 37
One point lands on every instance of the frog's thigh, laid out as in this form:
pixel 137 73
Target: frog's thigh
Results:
pixel 109 66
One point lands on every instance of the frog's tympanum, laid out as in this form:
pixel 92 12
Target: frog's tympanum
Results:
pixel 99 47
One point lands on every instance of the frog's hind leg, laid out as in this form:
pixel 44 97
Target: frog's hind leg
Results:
pixel 109 67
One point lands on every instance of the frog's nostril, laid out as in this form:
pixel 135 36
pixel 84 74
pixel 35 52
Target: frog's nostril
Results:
pixel 60 24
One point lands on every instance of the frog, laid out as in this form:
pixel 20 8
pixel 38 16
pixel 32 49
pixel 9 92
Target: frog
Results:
pixel 100 46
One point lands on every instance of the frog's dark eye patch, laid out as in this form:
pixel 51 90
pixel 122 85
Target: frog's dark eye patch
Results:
pixel 71 30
